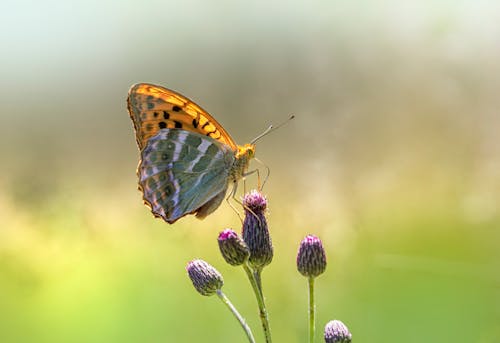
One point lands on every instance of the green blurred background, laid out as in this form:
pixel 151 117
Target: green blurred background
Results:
pixel 393 160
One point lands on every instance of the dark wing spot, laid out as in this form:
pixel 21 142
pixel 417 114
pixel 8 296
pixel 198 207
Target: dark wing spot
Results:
pixel 195 123
pixel 176 108
pixel 210 133
pixel 178 124
pixel 166 115
pixel 162 125
pixel 155 114
pixel 169 189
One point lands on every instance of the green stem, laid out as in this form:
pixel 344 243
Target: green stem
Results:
pixel 312 310
pixel 254 278
pixel 258 281
pixel 243 324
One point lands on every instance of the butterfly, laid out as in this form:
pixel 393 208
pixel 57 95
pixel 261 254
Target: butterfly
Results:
pixel 187 158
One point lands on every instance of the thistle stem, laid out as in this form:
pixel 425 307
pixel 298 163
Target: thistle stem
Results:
pixel 312 310
pixel 254 278
pixel 258 281
pixel 243 324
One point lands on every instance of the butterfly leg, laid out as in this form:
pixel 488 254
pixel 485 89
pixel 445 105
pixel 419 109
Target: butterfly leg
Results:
pixel 245 179
pixel 232 195
pixel 268 172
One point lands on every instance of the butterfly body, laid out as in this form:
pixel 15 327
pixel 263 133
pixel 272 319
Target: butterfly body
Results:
pixel 187 158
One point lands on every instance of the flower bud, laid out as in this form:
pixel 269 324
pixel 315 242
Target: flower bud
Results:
pixel 255 232
pixel 337 332
pixel 233 248
pixel 311 258
pixel 206 279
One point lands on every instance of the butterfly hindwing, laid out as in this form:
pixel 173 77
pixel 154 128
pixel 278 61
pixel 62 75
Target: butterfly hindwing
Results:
pixel 183 172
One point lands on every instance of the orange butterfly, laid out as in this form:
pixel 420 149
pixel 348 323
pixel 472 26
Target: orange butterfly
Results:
pixel 187 158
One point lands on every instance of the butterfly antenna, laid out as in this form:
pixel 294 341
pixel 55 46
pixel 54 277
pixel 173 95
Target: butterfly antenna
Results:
pixel 271 129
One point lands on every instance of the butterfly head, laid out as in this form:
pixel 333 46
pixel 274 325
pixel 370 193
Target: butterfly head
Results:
pixel 246 152
pixel 242 159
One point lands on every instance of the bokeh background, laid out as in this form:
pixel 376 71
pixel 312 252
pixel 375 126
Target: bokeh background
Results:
pixel 393 160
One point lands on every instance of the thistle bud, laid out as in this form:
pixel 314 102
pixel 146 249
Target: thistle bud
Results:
pixel 233 248
pixel 255 231
pixel 311 258
pixel 206 279
pixel 337 332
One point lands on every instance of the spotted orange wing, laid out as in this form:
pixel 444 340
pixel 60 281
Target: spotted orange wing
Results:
pixel 153 108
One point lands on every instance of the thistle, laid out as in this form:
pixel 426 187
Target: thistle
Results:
pixel 311 262
pixel 208 281
pixel 258 240
pixel 233 248
pixel 311 258
pixel 337 332
pixel 255 232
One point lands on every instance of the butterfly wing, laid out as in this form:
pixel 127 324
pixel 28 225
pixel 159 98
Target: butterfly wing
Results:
pixel 153 108
pixel 183 172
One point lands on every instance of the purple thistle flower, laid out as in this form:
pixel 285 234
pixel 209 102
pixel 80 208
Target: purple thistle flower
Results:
pixel 233 248
pixel 311 258
pixel 255 232
pixel 206 279
pixel 337 332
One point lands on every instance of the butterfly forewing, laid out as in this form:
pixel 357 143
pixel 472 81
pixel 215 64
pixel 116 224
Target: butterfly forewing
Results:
pixel 153 108
pixel 183 172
